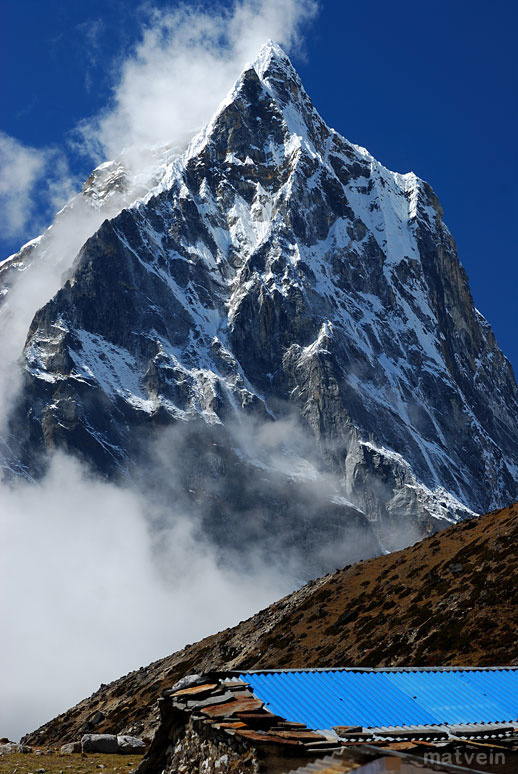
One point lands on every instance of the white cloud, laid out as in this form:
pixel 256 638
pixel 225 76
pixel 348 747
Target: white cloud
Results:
pixel 87 596
pixel 182 68
pixel 34 182
pixel 21 167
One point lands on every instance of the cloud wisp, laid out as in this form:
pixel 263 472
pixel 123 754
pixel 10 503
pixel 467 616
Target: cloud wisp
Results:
pixel 89 597
pixel 20 168
pixel 182 68
pixel 33 184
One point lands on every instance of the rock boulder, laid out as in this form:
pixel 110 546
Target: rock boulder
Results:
pixel 131 745
pixel 99 743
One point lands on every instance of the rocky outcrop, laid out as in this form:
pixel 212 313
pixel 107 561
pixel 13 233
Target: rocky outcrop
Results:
pixel 7 747
pixel 279 271
pixel 110 744
pixel 99 743
pixel 71 748
pixel 130 745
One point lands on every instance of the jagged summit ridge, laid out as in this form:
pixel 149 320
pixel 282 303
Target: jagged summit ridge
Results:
pixel 277 265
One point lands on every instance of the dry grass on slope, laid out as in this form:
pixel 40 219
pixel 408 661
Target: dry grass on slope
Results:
pixel 451 599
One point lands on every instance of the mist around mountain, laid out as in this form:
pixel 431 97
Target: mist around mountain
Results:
pixel 449 600
pixel 246 363
pixel 274 272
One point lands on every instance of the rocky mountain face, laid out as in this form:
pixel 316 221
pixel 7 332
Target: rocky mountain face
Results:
pixel 450 600
pixel 276 273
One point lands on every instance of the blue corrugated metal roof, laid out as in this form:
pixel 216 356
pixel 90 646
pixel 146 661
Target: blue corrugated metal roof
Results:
pixel 388 697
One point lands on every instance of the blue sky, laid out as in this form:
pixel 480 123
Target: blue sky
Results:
pixel 426 86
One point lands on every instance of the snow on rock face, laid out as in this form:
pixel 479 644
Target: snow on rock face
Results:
pixel 275 265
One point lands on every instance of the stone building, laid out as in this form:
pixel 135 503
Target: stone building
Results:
pixel 279 721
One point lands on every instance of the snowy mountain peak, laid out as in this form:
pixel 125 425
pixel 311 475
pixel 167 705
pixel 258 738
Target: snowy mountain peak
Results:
pixel 269 89
pixel 268 53
pixel 278 269
pixel 274 68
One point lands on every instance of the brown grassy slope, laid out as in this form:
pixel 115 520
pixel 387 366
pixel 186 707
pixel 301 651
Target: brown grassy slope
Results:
pixel 451 599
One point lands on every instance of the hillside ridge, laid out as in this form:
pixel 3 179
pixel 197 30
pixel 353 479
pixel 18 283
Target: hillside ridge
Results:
pixel 449 600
